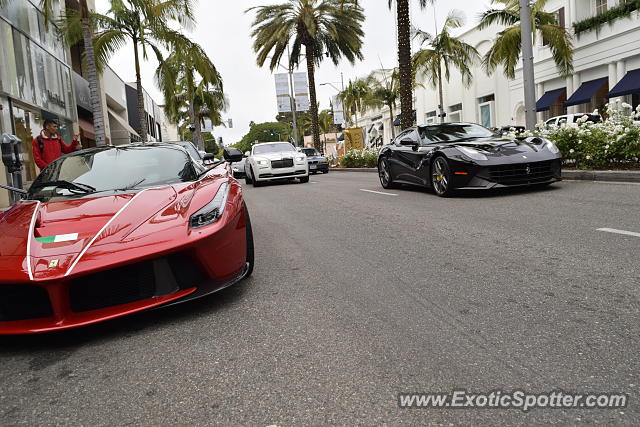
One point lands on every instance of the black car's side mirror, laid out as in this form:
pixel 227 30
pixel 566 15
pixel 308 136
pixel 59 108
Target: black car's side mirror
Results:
pixel 232 155
pixel 408 142
pixel 208 156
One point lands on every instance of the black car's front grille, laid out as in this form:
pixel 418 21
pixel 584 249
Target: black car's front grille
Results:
pixel 22 302
pixel 523 173
pixel 134 282
pixel 284 163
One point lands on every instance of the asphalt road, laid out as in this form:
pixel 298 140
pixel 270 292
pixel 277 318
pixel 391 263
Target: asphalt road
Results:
pixel 358 296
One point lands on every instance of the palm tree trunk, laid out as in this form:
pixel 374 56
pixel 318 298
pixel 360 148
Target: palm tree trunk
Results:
pixel 197 132
pixel 315 128
pixel 92 76
pixel 440 92
pixel 141 112
pixel 393 130
pixel 404 64
pixel 356 114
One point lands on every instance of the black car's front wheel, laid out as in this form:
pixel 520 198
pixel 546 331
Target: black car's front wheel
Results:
pixel 384 172
pixel 441 177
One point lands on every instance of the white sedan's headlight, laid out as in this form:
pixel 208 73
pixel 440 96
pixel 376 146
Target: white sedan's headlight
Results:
pixel 262 162
pixel 472 153
pixel 212 211
pixel 552 147
pixel 300 158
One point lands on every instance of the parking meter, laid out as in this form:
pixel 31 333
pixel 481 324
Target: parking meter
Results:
pixel 12 160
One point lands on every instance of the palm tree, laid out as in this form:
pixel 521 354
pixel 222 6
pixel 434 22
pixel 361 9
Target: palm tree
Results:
pixel 384 92
pixel 353 97
pixel 508 45
pixel 325 122
pixel 445 51
pixel 192 89
pixel 324 27
pixel 82 31
pixel 145 24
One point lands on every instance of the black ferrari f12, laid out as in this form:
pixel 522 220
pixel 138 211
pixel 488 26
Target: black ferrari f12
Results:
pixel 463 156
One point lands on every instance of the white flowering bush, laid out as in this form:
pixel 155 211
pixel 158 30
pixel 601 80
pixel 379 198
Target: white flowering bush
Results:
pixel 614 142
pixel 367 158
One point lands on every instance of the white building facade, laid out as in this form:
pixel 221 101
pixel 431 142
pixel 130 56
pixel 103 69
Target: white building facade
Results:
pixel 606 63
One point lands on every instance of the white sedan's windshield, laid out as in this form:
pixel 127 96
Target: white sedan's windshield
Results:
pixel 273 148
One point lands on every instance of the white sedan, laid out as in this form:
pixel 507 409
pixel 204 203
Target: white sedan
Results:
pixel 271 161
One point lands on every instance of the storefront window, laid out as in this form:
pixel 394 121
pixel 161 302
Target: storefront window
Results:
pixel 24 71
pixel 27 124
pixel 8 78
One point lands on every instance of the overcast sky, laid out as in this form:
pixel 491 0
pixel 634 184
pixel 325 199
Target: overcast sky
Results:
pixel 223 29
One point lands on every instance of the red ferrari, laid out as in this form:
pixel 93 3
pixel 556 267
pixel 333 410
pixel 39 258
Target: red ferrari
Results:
pixel 111 231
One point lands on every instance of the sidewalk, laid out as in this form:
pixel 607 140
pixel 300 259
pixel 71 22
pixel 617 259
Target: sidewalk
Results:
pixel 568 174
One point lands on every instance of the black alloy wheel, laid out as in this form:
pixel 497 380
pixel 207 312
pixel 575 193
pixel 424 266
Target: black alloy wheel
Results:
pixel 441 177
pixel 384 173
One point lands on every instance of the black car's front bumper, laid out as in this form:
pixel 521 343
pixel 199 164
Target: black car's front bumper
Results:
pixel 467 176
pixel 318 167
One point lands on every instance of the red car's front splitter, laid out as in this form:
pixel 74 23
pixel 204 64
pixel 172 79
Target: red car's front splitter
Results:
pixel 73 320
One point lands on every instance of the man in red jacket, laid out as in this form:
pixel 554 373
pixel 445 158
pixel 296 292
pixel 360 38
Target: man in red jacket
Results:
pixel 48 146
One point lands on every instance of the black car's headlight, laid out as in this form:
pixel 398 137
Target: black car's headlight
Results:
pixel 552 147
pixel 472 153
pixel 212 211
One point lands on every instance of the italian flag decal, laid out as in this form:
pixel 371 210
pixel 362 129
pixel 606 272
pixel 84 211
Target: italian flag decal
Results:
pixel 59 238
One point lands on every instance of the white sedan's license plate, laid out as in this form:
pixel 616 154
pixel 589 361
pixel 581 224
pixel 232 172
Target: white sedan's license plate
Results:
pixel 313 166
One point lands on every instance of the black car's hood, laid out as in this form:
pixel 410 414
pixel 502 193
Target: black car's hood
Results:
pixel 501 146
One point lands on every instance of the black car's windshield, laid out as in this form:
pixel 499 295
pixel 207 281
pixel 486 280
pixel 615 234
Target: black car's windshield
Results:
pixel 113 169
pixel 453 132
pixel 273 148
pixel 310 152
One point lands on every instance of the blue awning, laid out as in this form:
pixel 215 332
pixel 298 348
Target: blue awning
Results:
pixel 586 91
pixel 549 98
pixel 341 137
pixel 381 127
pixel 371 128
pixel 628 85
pixel 397 122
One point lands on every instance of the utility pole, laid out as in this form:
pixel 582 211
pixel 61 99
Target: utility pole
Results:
pixel 528 77
pixel 292 98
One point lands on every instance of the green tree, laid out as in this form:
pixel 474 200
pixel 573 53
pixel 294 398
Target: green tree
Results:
pixel 146 24
pixel 264 132
pixel 192 89
pixel 507 46
pixel 324 27
pixel 384 92
pixel 354 97
pixel 210 144
pixel 444 52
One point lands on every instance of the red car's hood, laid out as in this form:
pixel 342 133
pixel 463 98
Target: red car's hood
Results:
pixel 55 235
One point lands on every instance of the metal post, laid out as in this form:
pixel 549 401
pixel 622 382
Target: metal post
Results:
pixel 527 65
pixel 292 99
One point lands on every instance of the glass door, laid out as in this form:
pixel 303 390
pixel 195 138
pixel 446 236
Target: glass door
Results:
pixel 27 124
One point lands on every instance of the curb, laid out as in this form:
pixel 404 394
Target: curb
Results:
pixel 577 175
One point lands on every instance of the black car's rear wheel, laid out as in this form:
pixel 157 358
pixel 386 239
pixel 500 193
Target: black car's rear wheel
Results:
pixel 384 172
pixel 441 177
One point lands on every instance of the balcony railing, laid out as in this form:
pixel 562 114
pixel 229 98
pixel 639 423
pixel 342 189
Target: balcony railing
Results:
pixel 623 10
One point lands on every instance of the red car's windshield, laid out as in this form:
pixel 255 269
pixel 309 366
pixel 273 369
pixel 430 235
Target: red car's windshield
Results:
pixel 114 168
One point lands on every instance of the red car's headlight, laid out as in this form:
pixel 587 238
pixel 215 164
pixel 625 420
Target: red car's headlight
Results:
pixel 213 210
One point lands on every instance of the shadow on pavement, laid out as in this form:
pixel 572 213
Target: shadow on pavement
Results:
pixel 127 326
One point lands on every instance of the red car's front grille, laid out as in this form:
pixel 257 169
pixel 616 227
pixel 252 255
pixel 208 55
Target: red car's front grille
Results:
pixel 22 302
pixel 135 282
